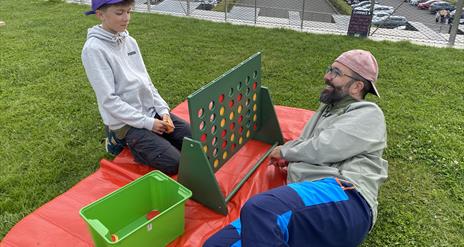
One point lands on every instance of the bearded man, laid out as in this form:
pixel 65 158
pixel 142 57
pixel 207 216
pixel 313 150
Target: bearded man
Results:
pixel 334 170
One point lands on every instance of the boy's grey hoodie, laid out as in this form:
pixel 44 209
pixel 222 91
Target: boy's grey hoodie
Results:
pixel 115 69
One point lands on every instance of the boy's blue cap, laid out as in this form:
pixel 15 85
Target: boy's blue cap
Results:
pixel 98 3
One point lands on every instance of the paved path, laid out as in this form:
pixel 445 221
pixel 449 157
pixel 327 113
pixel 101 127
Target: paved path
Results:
pixel 284 14
pixel 315 10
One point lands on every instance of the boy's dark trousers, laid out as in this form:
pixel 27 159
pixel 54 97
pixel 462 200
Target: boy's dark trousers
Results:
pixel 159 151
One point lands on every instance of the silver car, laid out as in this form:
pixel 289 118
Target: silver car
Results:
pixel 393 21
pixel 378 8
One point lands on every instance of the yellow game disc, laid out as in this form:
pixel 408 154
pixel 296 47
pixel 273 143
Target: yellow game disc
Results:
pixel 221 110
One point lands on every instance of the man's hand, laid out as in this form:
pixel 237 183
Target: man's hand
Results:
pixel 159 127
pixel 276 158
pixel 275 153
pixel 169 124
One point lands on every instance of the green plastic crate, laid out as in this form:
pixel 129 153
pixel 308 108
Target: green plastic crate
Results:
pixel 124 213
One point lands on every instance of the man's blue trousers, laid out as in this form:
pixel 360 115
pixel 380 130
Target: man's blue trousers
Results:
pixel 325 213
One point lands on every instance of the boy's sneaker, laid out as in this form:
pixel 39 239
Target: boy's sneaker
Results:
pixel 112 146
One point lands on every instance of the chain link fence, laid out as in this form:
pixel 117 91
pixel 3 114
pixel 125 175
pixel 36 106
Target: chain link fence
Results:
pixel 412 20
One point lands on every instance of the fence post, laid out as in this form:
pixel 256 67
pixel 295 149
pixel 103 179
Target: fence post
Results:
pixel 149 6
pixel 302 14
pixel 455 25
pixel 225 10
pixel 255 11
pixel 188 7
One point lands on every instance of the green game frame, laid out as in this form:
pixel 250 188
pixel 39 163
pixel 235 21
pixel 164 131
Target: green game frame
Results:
pixel 224 115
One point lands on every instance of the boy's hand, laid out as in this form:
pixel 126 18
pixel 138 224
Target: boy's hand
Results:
pixel 159 127
pixel 169 124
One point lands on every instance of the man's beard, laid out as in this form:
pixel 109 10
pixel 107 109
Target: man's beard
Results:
pixel 332 94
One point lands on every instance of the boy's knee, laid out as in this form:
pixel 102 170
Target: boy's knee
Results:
pixel 169 170
pixel 167 162
pixel 185 131
pixel 182 128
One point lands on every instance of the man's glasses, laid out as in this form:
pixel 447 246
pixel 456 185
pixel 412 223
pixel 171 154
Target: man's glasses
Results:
pixel 336 72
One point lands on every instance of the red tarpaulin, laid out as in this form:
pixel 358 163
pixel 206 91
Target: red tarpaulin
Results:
pixel 57 223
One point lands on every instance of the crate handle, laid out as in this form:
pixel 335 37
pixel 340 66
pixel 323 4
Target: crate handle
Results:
pixel 183 192
pixel 100 228
pixel 159 177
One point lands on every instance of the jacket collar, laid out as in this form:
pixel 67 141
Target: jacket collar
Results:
pixel 337 106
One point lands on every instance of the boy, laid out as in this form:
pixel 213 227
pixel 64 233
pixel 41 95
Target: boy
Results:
pixel 131 108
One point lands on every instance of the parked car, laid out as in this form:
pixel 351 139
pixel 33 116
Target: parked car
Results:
pixel 378 8
pixel 426 5
pixel 351 2
pixel 416 2
pixel 207 4
pixel 437 6
pixel 377 16
pixel 393 21
pixel 361 4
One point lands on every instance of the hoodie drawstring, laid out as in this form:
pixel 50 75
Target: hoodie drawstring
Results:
pixel 118 38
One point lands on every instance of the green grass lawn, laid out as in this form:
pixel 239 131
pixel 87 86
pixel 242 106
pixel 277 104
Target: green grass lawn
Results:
pixel 51 129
